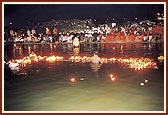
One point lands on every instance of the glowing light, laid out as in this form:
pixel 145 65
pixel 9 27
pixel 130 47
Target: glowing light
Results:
pixel 82 79
pixel 142 84
pixel 14 45
pixel 112 77
pixel 54 58
pixel 41 58
pixel 135 63
pixel 146 81
pixel 113 48
pixel 104 60
pixel 73 80
pixel 71 58
pixel 161 58
pixel 79 59
pixel 51 59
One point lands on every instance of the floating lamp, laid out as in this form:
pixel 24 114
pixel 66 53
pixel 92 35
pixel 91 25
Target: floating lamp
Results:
pixel 146 81
pixel 142 84
pixel 161 58
pixel 73 80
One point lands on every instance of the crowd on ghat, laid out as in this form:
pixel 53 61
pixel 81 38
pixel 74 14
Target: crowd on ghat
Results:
pixel 144 31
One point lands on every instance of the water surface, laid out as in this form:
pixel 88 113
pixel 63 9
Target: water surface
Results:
pixel 76 86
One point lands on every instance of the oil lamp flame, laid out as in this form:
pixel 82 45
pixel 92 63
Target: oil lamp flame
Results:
pixel 134 63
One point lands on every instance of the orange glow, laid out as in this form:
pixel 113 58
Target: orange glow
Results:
pixel 112 77
pixel 160 58
pixel 104 60
pixel 73 80
pixel 79 59
pixel 54 58
pixel 135 63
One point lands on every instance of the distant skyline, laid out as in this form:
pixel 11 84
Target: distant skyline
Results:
pixel 21 14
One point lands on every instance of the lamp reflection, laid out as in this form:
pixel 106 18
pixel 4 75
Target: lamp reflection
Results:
pixel 95 66
pixel 113 77
pixel 73 78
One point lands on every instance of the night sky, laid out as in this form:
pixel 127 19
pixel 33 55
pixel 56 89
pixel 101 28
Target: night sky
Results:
pixel 24 13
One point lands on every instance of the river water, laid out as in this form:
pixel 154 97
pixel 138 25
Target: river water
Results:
pixel 74 85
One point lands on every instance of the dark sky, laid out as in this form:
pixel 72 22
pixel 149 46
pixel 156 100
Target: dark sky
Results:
pixel 23 13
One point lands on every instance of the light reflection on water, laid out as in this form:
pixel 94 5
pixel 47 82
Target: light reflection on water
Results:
pixel 17 50
pixel 70 86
